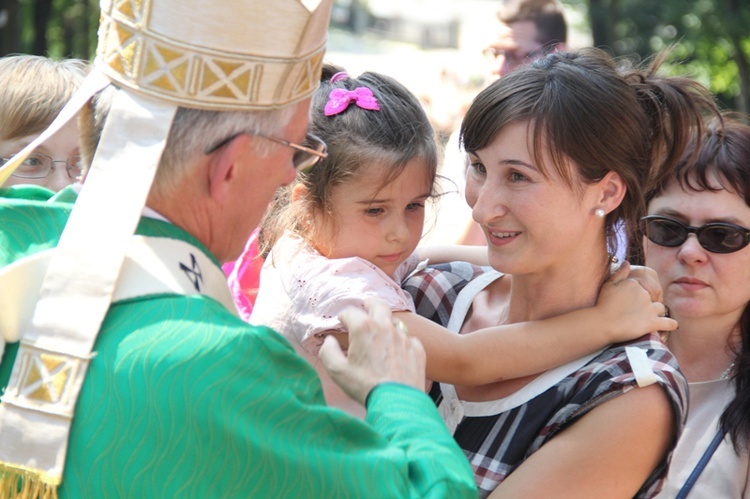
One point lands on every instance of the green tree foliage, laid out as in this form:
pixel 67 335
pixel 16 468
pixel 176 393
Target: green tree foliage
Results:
pixel 711 36
pixel 57 28
pixel 712 42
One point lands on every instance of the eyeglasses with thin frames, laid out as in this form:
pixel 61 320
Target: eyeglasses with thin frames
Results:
pixel 514 59
pixel 305 155
pixel 716 237
pixel 38 165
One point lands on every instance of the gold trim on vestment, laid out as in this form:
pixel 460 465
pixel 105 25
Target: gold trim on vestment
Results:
pixel 17 481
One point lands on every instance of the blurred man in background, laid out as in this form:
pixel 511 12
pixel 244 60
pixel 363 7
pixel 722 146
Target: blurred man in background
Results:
pixel 527 30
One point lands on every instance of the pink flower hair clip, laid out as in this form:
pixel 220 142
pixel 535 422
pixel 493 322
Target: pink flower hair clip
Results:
pixel 340 98
pixel 341 75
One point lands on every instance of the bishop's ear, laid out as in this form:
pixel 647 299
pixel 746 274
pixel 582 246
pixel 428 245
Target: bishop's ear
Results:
pixel 224 164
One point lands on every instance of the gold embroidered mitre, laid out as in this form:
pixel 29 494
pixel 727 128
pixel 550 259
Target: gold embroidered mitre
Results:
pixel 221 55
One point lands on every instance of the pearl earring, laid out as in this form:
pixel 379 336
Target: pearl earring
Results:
pixel 599 213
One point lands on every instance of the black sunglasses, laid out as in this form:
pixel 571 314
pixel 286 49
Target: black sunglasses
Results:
pixel 716 237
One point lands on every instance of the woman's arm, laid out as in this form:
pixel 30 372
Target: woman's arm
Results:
pixel 609 452
pixel 624 311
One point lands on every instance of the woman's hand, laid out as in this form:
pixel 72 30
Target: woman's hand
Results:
pixel 629 303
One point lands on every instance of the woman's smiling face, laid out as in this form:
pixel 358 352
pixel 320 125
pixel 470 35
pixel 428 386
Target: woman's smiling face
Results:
pixel 531 220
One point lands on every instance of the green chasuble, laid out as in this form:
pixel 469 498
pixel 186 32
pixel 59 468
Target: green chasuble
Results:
pixel 183 399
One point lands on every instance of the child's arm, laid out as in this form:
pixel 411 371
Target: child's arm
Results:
pixel 444 253
pixel 648 279
pixel 623 311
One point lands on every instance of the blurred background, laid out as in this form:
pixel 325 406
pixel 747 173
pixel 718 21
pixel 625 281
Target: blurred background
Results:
pixel 435 46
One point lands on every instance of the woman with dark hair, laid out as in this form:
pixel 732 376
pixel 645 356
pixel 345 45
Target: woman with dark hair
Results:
pixel 561 151
pixel 697 239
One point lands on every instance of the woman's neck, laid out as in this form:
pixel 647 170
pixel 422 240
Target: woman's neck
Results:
pixel 704 346
pixel 520 298
pixel 558 290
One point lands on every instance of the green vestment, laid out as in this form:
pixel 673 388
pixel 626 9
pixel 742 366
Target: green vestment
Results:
pixel 183 399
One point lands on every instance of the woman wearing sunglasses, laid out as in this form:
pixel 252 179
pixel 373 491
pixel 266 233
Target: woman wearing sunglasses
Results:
pixel 697 240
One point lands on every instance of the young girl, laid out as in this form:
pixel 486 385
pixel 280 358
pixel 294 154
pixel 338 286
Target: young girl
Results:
pixel 348 228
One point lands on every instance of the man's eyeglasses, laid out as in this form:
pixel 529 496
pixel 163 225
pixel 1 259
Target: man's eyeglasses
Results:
pixel 39 165
pixel 716 237
pixel 513 57
pixel 305 155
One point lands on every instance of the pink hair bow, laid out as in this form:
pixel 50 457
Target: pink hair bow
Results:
pixel 340 98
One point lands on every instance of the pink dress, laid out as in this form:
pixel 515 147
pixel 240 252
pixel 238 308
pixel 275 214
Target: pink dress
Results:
pixel 303 292
pixel 243 276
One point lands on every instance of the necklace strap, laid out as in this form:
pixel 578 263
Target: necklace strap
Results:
pixel 727 371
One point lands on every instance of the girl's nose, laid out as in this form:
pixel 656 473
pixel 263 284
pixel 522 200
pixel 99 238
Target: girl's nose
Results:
pixel 398 229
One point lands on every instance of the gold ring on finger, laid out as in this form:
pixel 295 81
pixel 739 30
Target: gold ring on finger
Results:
pixel 400 326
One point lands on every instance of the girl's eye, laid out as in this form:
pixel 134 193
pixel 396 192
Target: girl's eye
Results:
pixel 414 206
pixel 517 177
pixel 373 212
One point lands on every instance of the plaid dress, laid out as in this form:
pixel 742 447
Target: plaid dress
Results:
pixel 497 436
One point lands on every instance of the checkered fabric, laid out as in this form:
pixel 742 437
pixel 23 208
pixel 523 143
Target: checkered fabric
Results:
pixel 496 444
